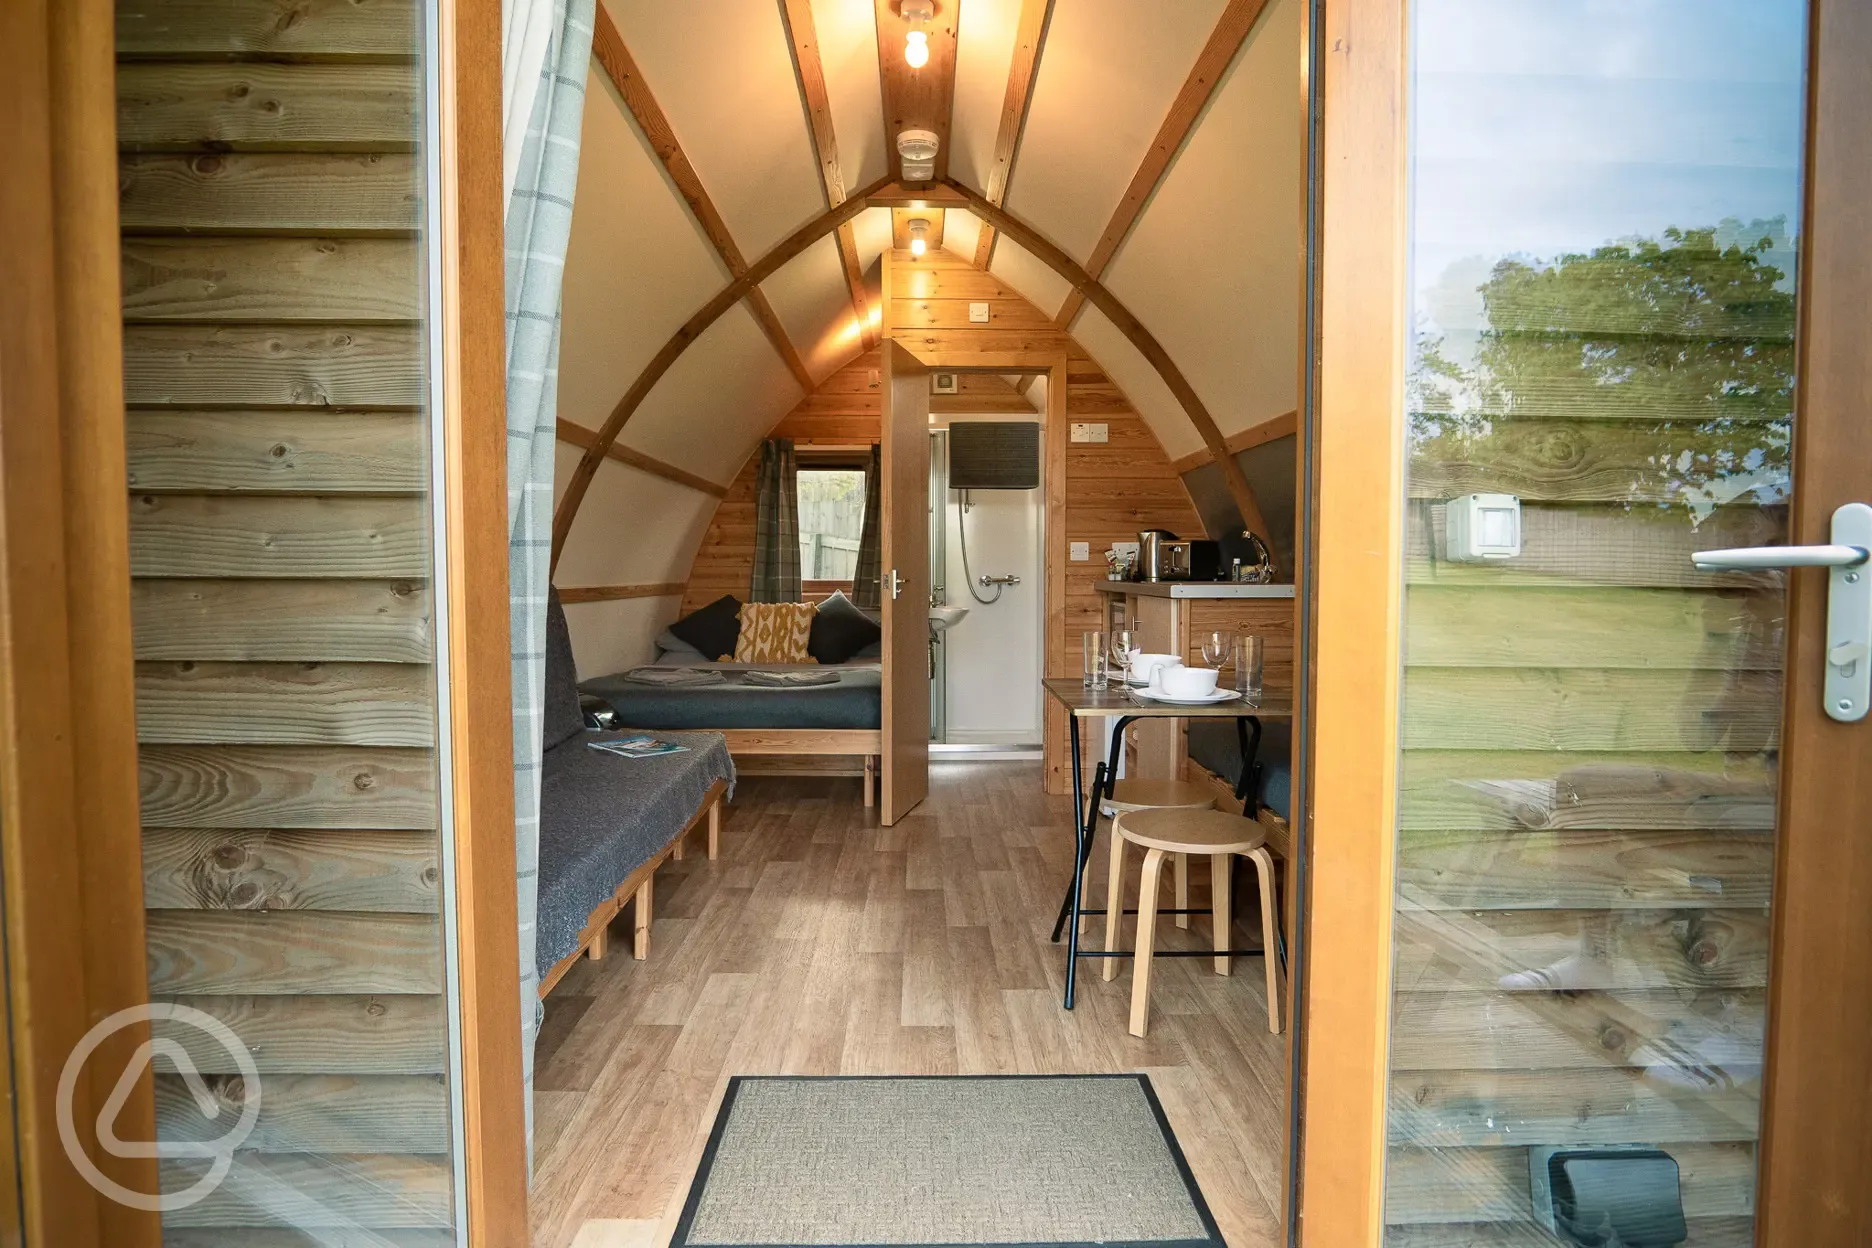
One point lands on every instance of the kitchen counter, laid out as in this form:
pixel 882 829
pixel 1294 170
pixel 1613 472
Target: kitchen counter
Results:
pixel 1194 589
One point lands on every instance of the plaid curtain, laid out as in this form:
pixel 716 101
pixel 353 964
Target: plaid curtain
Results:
pixel 539 224
pixel 867 591
pixel 776 525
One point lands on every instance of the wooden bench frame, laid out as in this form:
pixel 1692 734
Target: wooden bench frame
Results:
pixel 867 743
pixel 638 887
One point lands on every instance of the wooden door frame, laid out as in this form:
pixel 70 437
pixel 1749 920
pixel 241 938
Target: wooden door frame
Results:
pixel 68 796
pixel 1356 436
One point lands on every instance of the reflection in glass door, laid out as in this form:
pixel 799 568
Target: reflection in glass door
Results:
pixel 1602 241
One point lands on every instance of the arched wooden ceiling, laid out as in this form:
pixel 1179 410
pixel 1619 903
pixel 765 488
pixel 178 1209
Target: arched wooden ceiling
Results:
pixel 1157 149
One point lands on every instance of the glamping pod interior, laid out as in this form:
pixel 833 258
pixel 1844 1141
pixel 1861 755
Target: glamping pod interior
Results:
pixel 1046 622
pixel 780 334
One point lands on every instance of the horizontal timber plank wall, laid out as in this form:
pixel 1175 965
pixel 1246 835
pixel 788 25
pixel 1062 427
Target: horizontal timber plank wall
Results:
pixel 280 549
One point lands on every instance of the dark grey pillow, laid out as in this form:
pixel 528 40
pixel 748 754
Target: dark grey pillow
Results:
pixel 713 629
pixel 840 631
pixel 669 644
pixel 561 719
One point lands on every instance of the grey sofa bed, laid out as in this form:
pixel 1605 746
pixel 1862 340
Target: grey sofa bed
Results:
pixel 607 822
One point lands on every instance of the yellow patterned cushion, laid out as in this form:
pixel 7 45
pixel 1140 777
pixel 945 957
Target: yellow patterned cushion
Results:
pixel 774 632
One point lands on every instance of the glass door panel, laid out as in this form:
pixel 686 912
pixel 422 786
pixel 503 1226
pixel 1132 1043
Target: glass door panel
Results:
pixel 1605 201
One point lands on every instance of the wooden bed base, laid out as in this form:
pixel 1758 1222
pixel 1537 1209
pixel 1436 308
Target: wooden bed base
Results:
pixel 847 751
pixel 638 887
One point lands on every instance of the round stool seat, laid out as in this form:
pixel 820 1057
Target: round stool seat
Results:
pixel 1191 831
pixel 1158 794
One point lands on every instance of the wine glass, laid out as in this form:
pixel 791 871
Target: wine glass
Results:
pixel 1217 649
pixel 1124 644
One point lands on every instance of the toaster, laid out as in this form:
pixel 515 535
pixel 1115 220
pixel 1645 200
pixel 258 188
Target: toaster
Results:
pixel 1190 560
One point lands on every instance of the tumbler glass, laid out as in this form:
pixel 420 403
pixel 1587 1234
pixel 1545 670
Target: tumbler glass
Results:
pixel 1095 670
pixel 1248 667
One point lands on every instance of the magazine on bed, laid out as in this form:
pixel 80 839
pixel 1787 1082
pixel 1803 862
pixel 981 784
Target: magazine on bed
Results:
pixel 638 747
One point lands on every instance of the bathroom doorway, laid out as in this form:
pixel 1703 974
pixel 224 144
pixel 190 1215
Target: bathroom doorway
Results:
pixel 987 569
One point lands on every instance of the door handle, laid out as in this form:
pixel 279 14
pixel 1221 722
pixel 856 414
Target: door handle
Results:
pixel 1848 690
pixel 895 582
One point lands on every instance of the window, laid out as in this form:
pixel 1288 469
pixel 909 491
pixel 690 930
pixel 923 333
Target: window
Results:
pixel 831 520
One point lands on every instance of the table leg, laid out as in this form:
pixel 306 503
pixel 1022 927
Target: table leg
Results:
pixel 1250 748
pixel 1075 900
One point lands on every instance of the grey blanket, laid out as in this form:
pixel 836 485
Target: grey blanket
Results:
pixel 602 817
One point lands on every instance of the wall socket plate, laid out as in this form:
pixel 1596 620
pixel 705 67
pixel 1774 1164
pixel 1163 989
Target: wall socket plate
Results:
pixel 978 314
pixel 1083 432
pixel 1081 552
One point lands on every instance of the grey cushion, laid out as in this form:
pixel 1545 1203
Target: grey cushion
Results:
pixel 560 719
pixel 676 648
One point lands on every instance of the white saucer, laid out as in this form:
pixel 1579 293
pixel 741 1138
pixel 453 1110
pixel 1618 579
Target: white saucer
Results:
pixel 1220 695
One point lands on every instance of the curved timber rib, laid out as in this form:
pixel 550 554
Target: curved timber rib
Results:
pixel 691 330
pixel 885 193
pixel 1085 285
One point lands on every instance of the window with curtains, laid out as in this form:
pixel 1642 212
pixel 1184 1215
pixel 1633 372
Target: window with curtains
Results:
pixel 831 520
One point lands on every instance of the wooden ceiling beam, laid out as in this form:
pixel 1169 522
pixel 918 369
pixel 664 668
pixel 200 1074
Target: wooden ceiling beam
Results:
pixel 1029 42
pixel 808 67
pixel 1085 285
pixel 614 57
pixel 1231 31
pixel 1282 426
pixel 692 329
pixel 917 99
pixel 579 436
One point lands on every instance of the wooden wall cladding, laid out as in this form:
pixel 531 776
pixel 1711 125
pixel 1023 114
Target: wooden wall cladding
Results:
pixel 1587 733
pixel 280 548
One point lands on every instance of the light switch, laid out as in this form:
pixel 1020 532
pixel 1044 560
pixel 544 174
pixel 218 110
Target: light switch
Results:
pixel 978 314
pixel 1083 432
pixel 1081 552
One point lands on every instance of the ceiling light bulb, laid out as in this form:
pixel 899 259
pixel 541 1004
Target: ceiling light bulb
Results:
pixel 919 236
pixel 916 49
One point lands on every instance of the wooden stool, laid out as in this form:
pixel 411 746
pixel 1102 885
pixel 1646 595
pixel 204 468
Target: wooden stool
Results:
pixel 1186 831
pixel 1130 795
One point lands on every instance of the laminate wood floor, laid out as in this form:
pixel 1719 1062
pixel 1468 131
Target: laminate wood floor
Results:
pixel 821 943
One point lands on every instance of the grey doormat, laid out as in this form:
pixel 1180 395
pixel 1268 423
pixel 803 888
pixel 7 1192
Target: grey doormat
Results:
pixel 842 1162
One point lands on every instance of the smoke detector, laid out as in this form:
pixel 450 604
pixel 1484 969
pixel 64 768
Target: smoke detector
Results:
pixel 917 150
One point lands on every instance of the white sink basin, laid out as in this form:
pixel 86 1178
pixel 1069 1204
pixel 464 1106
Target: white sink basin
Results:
pixel 943 618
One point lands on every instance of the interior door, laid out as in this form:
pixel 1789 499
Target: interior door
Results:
pixel 906 562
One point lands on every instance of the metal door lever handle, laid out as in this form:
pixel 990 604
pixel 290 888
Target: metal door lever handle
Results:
pixel 1847 680
pixel 1750 558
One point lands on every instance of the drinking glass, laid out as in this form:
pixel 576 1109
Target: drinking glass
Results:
pixel 1096 676
pixel 1248 667
pixel 1123 644
pixel 1216 649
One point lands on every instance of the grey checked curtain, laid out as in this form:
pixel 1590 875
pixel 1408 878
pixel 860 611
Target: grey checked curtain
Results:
pixel 776 525
pixel 866 589
pixel 539 224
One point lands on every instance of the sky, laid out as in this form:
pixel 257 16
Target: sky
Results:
pixel 1547 126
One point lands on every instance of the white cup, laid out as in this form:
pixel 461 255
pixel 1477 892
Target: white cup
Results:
pixel 1144 666
pixel 1186 682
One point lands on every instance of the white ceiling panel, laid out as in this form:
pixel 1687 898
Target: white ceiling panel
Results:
pixel 1229 313
pixel 636 266
pixel 611 637
pixel 984 52
pixel 1109 73
pixel 961 231
pixel 718 400
pixel 723 73
pixel 813 301
pixel 665 522
pixel 847 32
pixel 871 231
pixel 1141 383
pixel 1028 274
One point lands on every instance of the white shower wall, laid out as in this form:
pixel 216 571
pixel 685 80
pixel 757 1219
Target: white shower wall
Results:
pixel 994 654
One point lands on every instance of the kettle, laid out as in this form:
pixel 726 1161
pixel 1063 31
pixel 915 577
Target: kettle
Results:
pixel 1153 563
